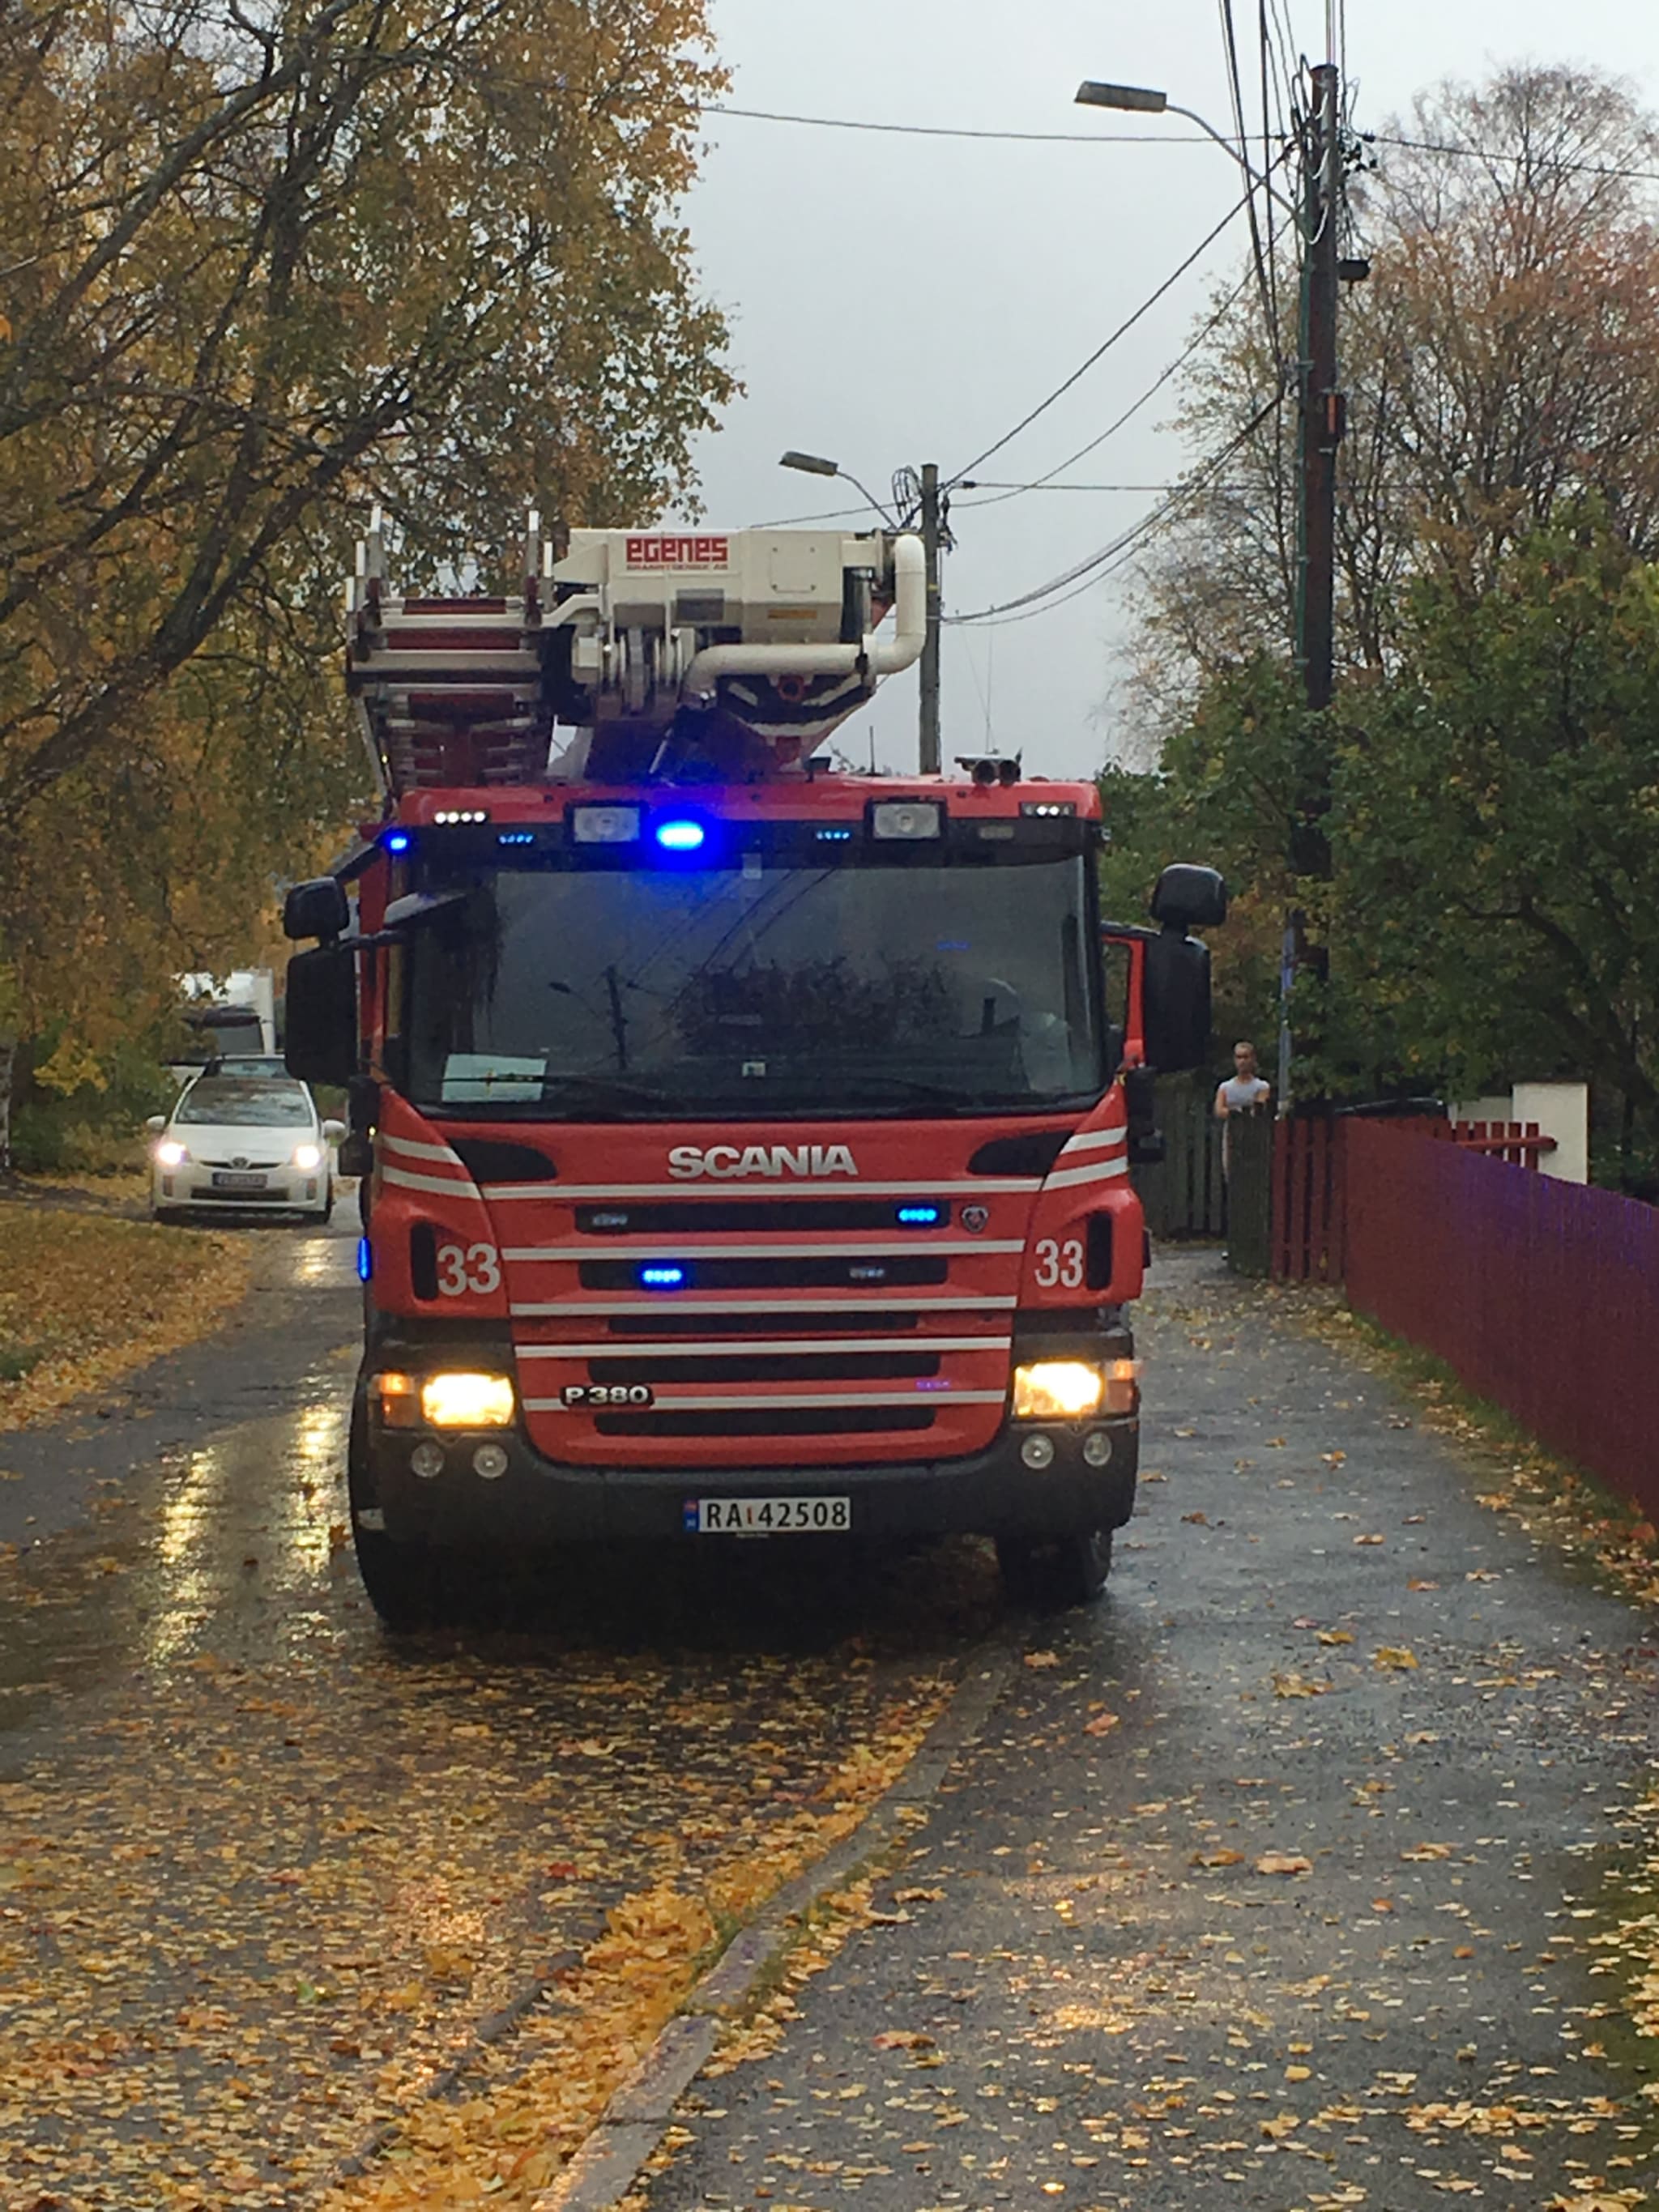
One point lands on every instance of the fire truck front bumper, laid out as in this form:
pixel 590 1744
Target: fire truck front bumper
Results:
pixel 493 1492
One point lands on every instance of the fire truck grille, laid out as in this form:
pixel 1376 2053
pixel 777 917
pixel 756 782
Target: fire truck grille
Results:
pixel 681 1217
pixel 770 1367
pixel 698 1322
pixel 855 1272
pixel 804 1421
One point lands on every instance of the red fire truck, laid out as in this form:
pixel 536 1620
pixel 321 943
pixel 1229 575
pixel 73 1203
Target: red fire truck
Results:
pixel 745 1143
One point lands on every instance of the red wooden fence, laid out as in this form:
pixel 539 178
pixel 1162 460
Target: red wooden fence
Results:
pixel 1309 1183
pixel 1541 1295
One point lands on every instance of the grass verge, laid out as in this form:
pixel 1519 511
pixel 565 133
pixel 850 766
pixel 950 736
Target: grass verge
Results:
pixel 85 1299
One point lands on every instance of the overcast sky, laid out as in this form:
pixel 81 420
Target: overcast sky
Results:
pixel 896 299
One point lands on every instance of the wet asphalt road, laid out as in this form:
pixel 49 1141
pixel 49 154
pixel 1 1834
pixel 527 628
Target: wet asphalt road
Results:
pixel 1090 1985
pixel 259 1871
pixel 263 1874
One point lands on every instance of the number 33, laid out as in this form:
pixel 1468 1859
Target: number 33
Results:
pixel 476 1268
pixel 1060 1265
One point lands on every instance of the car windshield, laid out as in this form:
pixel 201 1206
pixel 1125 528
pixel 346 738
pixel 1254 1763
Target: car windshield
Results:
pixel 767 988
pixel 245 1105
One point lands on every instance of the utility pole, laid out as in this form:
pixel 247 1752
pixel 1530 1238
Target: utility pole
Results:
pixel 1322 421
pixel 928 746
pixel 1322 403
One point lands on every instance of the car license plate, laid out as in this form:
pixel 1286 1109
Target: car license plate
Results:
pixel 768 1517
pixel 228 1179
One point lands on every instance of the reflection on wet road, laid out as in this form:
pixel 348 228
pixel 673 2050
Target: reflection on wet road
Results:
pixel 262 1873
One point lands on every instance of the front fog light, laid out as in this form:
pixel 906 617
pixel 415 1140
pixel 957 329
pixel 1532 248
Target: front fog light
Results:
pixel 1057 1391
pixel 489 1463
pixel 426 1460
pixel 467 1401
pixel 1097 1448
pixel 1038 1451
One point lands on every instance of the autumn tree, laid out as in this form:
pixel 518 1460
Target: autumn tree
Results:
pixel 258 266
pixel 1502 359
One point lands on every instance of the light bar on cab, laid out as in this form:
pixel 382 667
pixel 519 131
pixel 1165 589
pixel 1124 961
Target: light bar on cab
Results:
pixel 907 820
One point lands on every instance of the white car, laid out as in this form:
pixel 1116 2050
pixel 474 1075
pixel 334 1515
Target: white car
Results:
pixel 243 1142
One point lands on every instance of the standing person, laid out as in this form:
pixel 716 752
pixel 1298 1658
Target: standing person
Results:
pixel 1245 1092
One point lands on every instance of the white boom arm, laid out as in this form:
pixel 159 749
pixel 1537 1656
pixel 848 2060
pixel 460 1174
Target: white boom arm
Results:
pixel 749 647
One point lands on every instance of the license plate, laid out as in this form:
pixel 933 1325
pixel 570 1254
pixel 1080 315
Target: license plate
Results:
pixel 228 1179
pixel 768 1517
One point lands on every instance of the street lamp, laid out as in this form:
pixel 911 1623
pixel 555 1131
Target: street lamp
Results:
pixel 931 522
pixel 1139 100
pixel 814 464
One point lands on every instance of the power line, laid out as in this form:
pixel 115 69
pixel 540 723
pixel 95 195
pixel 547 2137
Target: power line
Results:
pixel 1123 329
pixel 1045 481
pixel 951 130
pixel 1137 530
pixel 1507 154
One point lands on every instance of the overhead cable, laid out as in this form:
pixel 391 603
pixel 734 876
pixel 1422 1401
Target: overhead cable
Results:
pixel 1046 480
pixel 1104 347
pixel 1144 527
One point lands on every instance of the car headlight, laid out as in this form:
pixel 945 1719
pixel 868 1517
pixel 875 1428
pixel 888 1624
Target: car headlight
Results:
pixel 467 1401
pixel 308 1159
pixel 1057 1391
pixel 170 1154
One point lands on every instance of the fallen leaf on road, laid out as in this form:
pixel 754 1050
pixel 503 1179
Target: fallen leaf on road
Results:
pixel 903 2039
pixel 1333 1458
pixel 1368 1539
pixel 1334 1635
pixel 1102 1724
pixel 1283 1863
pixel 1200 1520
pixel 1400 1656
pixel 1297 1685
pixel 1299 2073
pixel 1042 1659
pixel 1421 1583
pixel 1218 1858
pixel 1382 1905
pixel 1430 1852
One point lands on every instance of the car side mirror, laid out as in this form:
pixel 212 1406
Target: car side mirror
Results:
pixel 155 1123
pixel 321 1016
pixel 333 1131
pixel 1186 898
pixel 317 908
pixel 1177 1002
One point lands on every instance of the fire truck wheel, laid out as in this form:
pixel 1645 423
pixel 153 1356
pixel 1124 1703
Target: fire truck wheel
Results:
pixel 401 1579
pixel 1070 1571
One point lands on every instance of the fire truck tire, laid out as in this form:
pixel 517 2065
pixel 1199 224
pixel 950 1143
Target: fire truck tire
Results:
pixel 401 1580
pixel 1055 1577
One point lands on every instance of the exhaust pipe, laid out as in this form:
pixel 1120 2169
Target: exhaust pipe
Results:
pixel 877 656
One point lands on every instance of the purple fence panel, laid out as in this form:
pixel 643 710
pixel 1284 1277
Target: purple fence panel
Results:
pixel 1543 1296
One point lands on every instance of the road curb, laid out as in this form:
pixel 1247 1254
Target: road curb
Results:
pixel 634 2122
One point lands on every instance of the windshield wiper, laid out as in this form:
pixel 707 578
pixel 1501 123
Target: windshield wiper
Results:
pixel 603 1093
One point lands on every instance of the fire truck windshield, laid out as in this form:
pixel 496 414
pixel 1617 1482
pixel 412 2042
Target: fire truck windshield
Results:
pixel 759 989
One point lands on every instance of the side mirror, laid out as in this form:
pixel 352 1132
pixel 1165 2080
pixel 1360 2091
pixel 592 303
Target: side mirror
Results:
pixel 317 908
pixel 155 1123
pixel 333 1131
pixel 1140 1105
pixel 1177 1000
pixel 322 1015
pixel 1188 897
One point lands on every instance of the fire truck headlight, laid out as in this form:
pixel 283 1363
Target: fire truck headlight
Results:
pixel 1058 1390
pixel 467 1401
pixel 907 818
pixel 605 825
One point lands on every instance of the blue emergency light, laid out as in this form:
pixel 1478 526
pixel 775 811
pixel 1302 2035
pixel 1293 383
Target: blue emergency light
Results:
pixel 662 1278
pixel 680 836
pixel 398 841
pixel 920 1217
